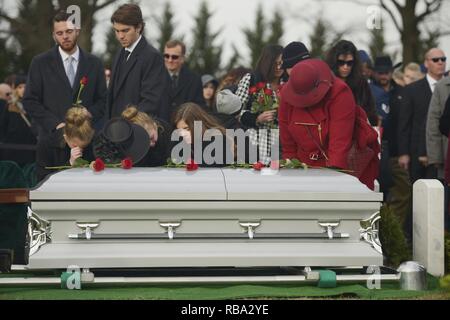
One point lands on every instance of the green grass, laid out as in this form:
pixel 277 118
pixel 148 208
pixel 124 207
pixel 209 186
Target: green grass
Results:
pixel 220 292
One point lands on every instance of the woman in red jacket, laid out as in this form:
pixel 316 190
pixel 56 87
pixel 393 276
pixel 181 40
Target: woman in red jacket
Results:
pixel 321 125
pixel 317 116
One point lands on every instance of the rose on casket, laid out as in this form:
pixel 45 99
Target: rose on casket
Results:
pixel 97 166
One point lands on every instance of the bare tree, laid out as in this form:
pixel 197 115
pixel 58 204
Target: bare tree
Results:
pixel 409 22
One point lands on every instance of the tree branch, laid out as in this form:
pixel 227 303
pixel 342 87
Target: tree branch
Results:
pixel 6 17
pixel 391 14
pixel 104 5
pixel 431 7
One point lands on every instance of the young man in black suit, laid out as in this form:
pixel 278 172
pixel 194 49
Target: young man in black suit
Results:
pixel 54 80
pixel 186 86
pixel 138 74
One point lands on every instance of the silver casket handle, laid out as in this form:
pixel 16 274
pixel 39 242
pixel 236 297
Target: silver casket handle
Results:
pixel 170 227
pixel 86 229
pixel 250 227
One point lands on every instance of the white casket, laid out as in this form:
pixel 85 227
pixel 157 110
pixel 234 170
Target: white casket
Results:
pixel 153 218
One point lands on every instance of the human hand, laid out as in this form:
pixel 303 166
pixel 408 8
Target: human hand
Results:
pixel 424 161
pixel 75 153
pixel 403 161
pixel 267 116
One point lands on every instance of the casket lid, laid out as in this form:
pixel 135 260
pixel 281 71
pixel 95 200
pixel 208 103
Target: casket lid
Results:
pixel 139 184
pixel 296 185
pixel 205 184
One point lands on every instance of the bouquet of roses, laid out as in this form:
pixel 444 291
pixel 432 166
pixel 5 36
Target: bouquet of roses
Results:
pixel 263 99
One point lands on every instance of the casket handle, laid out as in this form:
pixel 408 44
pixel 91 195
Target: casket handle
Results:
pixel 329 228
pixel 250 228
pixel 86 228
pixel 170 226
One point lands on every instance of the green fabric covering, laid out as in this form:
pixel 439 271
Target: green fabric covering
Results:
pixel 213 292
pixel 11 176
pixel 13 217
pixel 29 172
pixel 327 279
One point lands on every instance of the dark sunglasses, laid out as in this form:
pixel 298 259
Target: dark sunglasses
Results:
pixel 349 63
pixel 173 56
pixel 436 60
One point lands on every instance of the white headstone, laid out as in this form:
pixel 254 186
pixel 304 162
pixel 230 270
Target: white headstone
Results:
pixel 428 225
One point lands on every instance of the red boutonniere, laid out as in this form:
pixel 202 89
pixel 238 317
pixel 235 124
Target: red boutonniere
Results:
pixel 83 83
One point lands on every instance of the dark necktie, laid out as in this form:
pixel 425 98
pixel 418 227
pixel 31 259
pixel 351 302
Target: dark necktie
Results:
pixel 174 81
pixel 126 56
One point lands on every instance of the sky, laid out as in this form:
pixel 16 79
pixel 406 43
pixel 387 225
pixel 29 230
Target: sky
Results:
pixel 231 16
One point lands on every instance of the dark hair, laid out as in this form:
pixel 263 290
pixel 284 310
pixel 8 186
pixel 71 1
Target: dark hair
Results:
pixel 130 15
pixel 175 43
pixel 355 80
pixel 346 47
pixel 233 77
pixel 266 63
pixel 61 16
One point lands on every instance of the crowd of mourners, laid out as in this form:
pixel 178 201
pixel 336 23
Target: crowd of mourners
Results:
pixel 377 120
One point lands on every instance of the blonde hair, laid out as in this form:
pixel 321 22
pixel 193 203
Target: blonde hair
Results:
pixel 78 124
pixel 412 66
pixel 132 114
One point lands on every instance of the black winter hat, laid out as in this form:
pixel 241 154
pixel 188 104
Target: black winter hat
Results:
pixel 293 53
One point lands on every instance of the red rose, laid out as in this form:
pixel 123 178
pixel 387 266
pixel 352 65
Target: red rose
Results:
pixel 260 85
pixel 258 166
pixel 191 165
pixel 268 92
pixel 84 81
pixel 127 164
pixel 98 165
pixel 253 90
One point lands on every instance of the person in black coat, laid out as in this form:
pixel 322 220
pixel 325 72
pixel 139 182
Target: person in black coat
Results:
pixel 186 86
pixel 57 151
pixel 138 73
pixel 159 133
pixel 54 79
pixel 19 130
pixel 413 118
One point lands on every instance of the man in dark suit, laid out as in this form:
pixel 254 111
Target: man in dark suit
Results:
pixel 54 80
pixel 413 117
pixel 186 86
pixel 138 74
